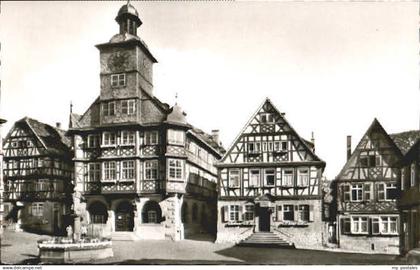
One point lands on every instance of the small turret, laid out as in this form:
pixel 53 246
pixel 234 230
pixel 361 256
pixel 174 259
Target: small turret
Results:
pixel 128 19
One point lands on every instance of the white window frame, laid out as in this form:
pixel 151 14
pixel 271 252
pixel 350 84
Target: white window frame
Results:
pixel 256 147
pixel 108 108
pixel 128 137
pixel 176 137
pixel 151 169
pixel 234 178
pixel 385 188
pixel 385 225
pixel 358 188
pixel 151 138
pixel 94 172
pixel 175 169
pixel 266 174
pixel 93 140
pixel 303 178
pixel 118 80
pixel 357 223
pixel 287 176
pixel 249 212
pixel 375 220
pixel 109 171
pixel 128 106
pixel 267 118
pixel 128 169
pixel 109 139
pixel 234 213
pixel 254 177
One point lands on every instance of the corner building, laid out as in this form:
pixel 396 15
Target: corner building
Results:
pixel 141 171
pixel 270 182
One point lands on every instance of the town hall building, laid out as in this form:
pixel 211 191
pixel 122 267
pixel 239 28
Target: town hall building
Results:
pixel 140 168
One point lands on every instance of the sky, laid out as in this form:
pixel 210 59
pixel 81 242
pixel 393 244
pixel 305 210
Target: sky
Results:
pixel 332 67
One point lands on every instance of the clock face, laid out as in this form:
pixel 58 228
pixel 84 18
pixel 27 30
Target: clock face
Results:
pixel 118 61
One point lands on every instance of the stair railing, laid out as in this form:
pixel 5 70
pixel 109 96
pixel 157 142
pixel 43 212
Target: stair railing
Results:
pixel 281 232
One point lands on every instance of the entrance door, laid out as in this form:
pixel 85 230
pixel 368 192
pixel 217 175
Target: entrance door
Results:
pixel 264 219
pixel 124 217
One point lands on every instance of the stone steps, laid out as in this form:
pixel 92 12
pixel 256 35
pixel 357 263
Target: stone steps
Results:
pixel 265 239
pixel 124 236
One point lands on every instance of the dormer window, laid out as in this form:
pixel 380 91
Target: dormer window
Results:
pixel 128 106
pixel 267 118
pixel 118 80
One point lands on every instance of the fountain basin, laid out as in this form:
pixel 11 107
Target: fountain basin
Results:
pixel 63 251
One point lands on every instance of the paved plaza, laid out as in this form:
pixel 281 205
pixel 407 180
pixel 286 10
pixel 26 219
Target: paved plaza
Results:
pixel 21 248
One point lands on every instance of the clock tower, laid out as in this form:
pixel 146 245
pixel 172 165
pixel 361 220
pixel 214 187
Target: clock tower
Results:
pixel 126 74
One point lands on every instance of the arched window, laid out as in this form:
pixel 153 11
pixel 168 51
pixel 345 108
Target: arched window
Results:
pixel 194 212
pixel 184 212
pixel 151 212
pixel 98 213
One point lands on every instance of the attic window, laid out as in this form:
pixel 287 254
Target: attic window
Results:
pixel 267 118
pixel 369 160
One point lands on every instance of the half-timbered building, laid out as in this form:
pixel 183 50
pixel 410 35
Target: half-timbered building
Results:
pixel 2 121
pixel 37 177
pixel 140 169
pixel 367 192
pixel 409 203
pixel 270 181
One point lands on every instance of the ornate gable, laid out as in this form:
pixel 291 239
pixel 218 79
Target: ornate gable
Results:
pixel 268 137
pixel 375 157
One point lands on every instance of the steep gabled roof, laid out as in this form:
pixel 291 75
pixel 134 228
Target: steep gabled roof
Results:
pixel 377 127
pixel 52 139
pixel 307 145
pixel 208 139
pixel 405 140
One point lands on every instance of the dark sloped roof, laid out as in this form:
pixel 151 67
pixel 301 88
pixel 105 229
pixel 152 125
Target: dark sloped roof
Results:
pixel 209 140
pixel 405 140
pixel 54 139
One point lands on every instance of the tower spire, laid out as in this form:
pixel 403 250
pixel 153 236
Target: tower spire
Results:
pixel 128 19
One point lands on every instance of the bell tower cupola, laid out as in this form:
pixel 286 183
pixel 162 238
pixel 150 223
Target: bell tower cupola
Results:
pixel 128 19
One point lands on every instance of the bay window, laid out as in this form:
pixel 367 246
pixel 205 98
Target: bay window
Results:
pixel 127 169
pixel 151 138
pixel 94 172
pixel 109 170
pixel 151 169
pixel 175 169
pixel 176 137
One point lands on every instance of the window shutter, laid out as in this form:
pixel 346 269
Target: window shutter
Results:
pixel 279 213
pixel 296 213
pixel 342 226
pixel 370 226
pixel 240 213
pixel 225 213
pixel 311 212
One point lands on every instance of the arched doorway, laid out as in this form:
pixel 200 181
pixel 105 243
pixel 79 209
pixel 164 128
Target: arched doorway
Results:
pixel 98 213
pixel 151 212
pixel 124 217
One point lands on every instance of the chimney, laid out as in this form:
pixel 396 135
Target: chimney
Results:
pixel 215 135
pixel 58 125
pixel 313 142
pixel 348 147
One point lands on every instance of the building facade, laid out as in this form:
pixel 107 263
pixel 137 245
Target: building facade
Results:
pixel 139 166
pixel 409 203
pixel 37 177
pixel 2 121
pixel 270 181
pixel 367 192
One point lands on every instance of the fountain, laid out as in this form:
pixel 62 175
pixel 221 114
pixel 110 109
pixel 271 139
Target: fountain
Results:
pixel 74 248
